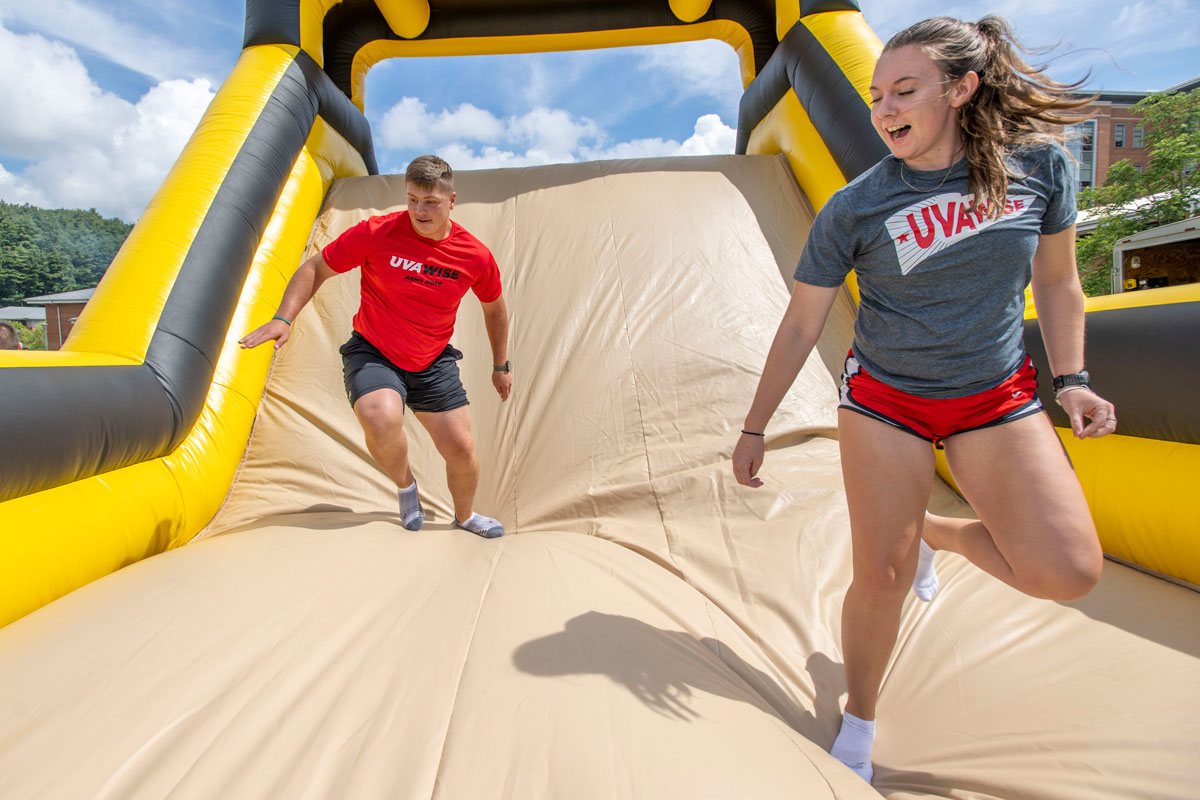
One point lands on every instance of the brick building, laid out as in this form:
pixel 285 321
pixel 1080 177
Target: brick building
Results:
pixel 62 310
pixel 1113 132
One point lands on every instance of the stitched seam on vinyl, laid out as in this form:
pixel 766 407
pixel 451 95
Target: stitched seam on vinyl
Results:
pixel 637 394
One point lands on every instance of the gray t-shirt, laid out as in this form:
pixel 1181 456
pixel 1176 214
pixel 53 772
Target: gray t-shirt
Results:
pixel 942 290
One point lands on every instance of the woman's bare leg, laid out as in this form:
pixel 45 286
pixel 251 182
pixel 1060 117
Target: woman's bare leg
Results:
pixel 1034 532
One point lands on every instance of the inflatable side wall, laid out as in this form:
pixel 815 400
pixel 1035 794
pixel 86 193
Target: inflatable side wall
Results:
pixel 1142 349
pixel 130 436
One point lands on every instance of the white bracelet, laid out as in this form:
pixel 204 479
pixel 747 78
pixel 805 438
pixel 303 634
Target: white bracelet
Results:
pixel 1058 394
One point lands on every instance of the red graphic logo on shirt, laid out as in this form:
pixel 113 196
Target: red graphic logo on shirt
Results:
pixel 932 225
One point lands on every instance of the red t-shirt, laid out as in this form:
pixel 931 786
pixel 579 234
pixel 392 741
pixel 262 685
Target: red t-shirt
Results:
pixel 412 286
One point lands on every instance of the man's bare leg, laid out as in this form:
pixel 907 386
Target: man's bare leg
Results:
pixel 451 434
pixel 381 414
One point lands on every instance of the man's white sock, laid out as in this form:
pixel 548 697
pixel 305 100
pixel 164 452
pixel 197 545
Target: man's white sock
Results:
pixel 480 525
pixel 853 745
pixel 925 582
pixel 412 516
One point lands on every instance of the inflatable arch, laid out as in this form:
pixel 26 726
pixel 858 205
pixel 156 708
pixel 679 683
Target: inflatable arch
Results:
pixel 131 437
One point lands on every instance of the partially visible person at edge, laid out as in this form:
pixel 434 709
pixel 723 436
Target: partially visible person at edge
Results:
pixel 974 202
pixel 416 265
pixel 9 340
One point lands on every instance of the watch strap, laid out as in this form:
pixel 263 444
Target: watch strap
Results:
pixel 1082 378
pixel 505 367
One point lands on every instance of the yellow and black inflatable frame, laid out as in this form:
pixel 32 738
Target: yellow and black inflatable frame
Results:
pixel 125 442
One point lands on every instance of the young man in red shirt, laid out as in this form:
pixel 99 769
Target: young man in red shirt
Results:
pixel 416 267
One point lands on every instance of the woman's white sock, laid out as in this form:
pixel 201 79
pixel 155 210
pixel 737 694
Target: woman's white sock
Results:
pixel 925 582
pixel 854 744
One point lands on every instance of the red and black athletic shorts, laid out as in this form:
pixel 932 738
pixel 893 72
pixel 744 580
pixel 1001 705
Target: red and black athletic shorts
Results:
pixel 935 418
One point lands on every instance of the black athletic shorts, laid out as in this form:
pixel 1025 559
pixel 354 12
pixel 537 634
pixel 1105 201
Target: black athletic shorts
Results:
pixel 435 388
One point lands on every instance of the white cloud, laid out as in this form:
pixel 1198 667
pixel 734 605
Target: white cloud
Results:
pixel 128 45
pixel 88 148
pixel 710 136
pixel 53 100
pixel 462 157
pixel 547 135
pixel 405 124
pixel 542 82
pixel 408 124
pixel 14 190
pixel 555 138
pixel 553 135
pixel 1153 27
pixel 705 68
pixel 655 147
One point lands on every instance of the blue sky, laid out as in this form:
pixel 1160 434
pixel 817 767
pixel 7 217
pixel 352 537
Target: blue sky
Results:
pixel 99 97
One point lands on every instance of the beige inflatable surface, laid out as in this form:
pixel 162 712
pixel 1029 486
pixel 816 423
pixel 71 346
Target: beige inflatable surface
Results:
pixel 648 629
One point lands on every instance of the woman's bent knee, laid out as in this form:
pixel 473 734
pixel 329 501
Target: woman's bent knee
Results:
pixel 1078 577
pixel 1069 575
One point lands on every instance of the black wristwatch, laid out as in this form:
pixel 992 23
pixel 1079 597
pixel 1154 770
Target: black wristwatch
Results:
pixel 1061 382
pixel 505 367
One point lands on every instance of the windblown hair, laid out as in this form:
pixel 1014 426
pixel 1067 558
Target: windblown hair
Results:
pixel 429 171
pixel 1015 105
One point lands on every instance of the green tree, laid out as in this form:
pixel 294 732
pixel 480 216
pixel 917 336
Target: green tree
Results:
pixel 24 268
pixel 1170 185
pixel 44 251
pixel 32 338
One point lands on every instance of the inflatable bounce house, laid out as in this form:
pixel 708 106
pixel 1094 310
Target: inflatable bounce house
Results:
pixel 206 591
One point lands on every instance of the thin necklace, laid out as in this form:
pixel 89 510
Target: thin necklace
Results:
pixel 925 191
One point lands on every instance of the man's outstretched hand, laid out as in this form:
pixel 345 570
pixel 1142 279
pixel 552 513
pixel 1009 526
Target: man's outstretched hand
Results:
pixel 275 329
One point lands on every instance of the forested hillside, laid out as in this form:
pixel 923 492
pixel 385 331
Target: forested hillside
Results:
pixel 53 250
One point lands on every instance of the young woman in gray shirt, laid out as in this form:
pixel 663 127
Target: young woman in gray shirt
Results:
pixel 974 203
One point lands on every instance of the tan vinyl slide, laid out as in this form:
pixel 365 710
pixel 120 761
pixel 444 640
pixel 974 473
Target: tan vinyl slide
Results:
pixel 648 628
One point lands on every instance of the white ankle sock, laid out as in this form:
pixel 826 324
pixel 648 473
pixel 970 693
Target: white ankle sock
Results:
pixel 925 582
pixel 483 526
pixel 853 745
pixel 412 516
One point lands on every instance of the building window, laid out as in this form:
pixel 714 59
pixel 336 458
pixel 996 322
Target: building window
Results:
pixel 1138 167
pixel 1119 134
pixel 1081 144
pixel 1138 133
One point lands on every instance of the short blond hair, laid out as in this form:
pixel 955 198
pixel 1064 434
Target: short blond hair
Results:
pixel 429 171
pixel 9 340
